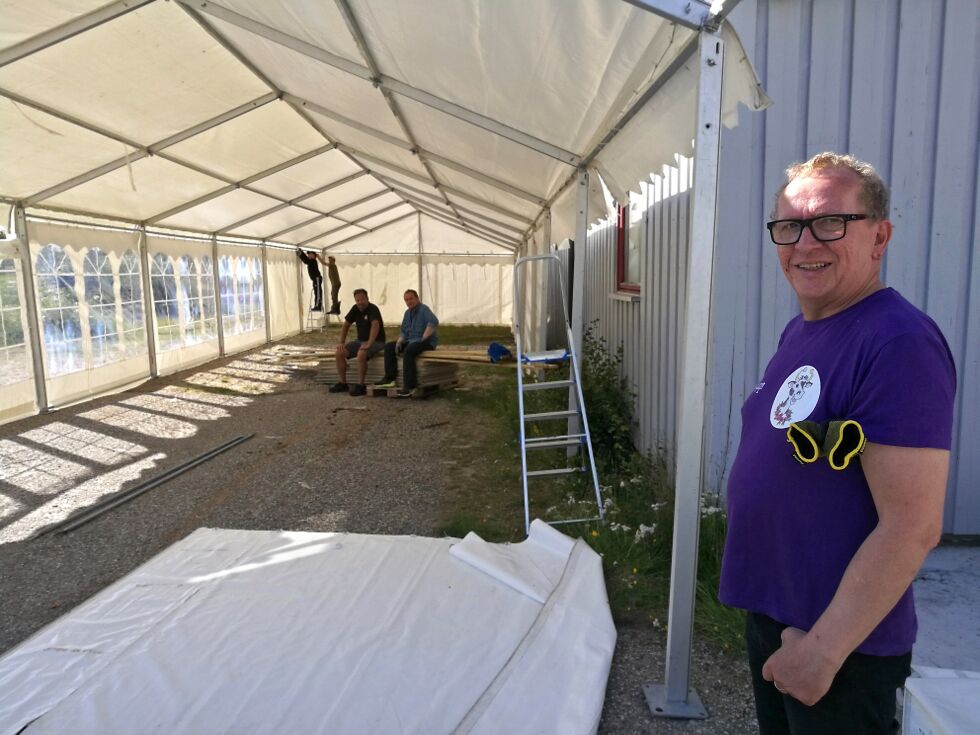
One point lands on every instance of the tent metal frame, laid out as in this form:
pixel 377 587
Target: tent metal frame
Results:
pixel 675 699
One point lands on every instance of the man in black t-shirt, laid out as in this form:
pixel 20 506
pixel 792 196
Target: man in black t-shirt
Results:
pixel 310 257
pixel 370 341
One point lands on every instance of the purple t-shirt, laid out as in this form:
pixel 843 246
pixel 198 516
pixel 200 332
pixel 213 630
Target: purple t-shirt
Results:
pixel 792 528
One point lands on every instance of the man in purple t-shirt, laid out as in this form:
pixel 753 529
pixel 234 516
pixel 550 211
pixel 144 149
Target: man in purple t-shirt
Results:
pixel 822 557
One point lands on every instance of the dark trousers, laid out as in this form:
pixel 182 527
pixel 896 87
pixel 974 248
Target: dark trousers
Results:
pixel 411 352
pixel 860 701
pixel 317 291
pixel 334 294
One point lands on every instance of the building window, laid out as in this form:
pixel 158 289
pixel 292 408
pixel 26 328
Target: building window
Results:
pixel 100 297
pixel 163 285
pixel 61 322
pixel 629 241
pixel 131 304
pixel 13 352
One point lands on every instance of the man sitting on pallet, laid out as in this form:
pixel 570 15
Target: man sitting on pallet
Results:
pixel 418 334
pixel 370 341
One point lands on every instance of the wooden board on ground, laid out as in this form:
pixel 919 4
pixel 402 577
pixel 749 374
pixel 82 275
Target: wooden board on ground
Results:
pixel 422 391
pixel 430 372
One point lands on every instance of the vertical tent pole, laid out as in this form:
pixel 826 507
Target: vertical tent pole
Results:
pixel 299 296
pixel 420 255
pixel 577 281
pixel 216 275
pixel 674 698
pixel 30 302
pixel 543 287
pixel 265 294
pixel 149 315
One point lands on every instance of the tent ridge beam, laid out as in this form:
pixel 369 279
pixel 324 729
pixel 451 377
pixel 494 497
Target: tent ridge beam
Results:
pixel 383 81
pixel 401 185
pixel 333 212
pixel 693 14
pixel 369 231
pixel 493 240
pixel 471 227
pixel 411 195
pixel 354 223
pixel 65 31
pixel 293 202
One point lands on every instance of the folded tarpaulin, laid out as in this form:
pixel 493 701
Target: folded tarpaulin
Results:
pixel 275 632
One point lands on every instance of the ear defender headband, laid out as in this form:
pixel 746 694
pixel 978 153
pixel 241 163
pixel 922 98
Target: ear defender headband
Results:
pixel 839 441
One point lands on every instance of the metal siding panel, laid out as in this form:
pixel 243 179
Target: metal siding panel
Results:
pixel 914 154
pixel 830 77
pixel 954 192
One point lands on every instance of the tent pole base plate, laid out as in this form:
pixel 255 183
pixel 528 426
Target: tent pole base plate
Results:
pixel 692 709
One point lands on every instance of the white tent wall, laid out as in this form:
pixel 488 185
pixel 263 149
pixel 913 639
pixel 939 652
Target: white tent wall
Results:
pixel 284 276
pixel 17 395
pixel 185 327
pixel 91 316
pixel 242 299
pixel 897 85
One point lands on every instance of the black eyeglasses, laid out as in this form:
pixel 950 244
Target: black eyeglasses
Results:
pixel 825 228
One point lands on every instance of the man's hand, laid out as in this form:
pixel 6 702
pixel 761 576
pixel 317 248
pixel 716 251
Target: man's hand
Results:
pixel 800 668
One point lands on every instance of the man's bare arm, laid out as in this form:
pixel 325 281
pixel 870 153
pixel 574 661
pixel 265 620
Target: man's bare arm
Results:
pixel 908 486
pixel 343 332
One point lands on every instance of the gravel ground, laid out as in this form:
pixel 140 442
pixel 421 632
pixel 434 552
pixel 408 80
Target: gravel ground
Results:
pixel 316 462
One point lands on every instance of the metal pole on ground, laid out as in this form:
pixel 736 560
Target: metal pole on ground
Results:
pixel 675 698
pixel 577 280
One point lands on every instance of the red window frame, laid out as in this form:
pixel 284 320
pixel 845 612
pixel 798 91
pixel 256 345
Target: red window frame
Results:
pixel 622 233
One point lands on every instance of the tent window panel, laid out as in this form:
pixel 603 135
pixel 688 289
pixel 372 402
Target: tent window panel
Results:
pixel 251 314
pixel 258 299
pixel 207 298
pixel 191 302
pixel 163 284
pixel 13 351
pixel 131 305
pixel 226 282
pixel 61 324
pixel 101 299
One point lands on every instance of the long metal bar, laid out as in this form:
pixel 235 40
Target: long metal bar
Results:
pixel 430 207
pixel 675 698
pixel 30 302
pixel 384 82
pixel 419 230
pixel 107 504
pixel 471 228
pixel 410 191
pixel 265 295
pixel 66 30
pixel 577 278
pixel 348 121
pixel 139 151
pixel 480 176
pixel 493 239
pixel 688 13
pixel 368 232
pixel 242 184
pixel 228 229
pixel 354 223
pixel 332 213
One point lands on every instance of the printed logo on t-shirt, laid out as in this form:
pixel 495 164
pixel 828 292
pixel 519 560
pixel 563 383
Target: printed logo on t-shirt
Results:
pixel 796 398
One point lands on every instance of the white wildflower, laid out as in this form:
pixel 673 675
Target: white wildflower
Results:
pixel 643 531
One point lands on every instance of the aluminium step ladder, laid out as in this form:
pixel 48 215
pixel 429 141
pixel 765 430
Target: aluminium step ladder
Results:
pixel 577 436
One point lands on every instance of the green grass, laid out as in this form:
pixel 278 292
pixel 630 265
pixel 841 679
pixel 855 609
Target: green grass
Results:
pixel 637 494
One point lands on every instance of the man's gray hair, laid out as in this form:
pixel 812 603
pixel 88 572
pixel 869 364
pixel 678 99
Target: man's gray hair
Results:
pixel 874 191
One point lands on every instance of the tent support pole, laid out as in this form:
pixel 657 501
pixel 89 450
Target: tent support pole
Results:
pixel 675 698
pixel 265 294
pixel 30 302
pixel 577 281
pixel 149 318
pixel 543 286
pixel 216 275
pixel 419 222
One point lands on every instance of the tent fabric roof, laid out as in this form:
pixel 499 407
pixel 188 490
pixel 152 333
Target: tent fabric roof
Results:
pixel 307 123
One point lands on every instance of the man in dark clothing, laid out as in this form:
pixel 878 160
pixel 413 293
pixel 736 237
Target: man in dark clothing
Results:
pixel 310 257
pixel 418 334
pixel 334 275
pixel 370 341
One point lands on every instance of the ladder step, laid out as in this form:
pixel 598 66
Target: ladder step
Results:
pixel 550 442
pixel 558 471
pixel 550 415
pixel 549 384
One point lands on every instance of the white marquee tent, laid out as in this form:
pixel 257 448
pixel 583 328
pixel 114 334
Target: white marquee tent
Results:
pixel 162 158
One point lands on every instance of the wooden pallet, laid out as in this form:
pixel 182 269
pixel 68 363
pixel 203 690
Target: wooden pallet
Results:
pixel 422 391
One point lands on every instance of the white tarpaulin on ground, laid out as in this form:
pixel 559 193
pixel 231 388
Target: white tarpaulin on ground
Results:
pixel 288 632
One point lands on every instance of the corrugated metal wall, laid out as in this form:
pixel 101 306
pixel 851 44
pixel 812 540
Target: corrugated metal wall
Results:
pixel 896 83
